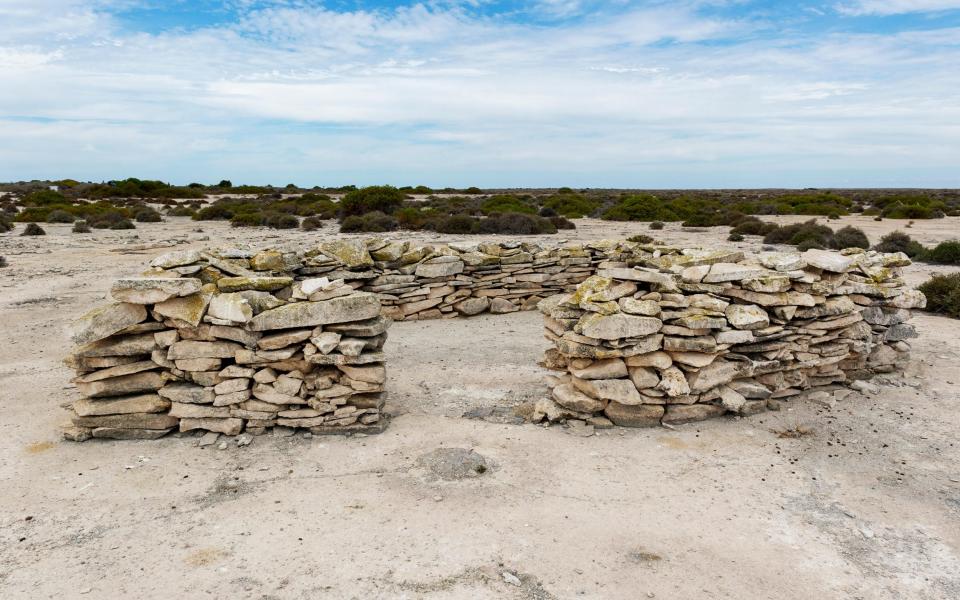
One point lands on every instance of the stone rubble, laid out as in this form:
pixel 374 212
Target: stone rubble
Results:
pixel 684 335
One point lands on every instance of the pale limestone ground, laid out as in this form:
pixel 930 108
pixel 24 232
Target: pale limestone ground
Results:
pixel 865 507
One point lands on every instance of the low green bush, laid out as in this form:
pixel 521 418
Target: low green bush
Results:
pixel 456 224
pixel 516 224
pixel 3 261
pixel 375 222
pixel 943 294
pixel 657 225
pixel 384 199
pixel 123 224
pixel 147 215
pixel 735 237
pixel 849 237
pixel 81 227
pixel 181 211
pixel 641 239
pixel 898 241
pixel 5 225
pixel 507 203
pixel 60 216
pixel 33 229
pixel 247 219
pixel 798 233
pixel 810 244
pixel 562 223
pixel 944 253
pixel 311 224
pixel 570 204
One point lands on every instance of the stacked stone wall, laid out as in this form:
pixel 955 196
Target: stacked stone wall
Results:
pixel 688 336
pixel 229 340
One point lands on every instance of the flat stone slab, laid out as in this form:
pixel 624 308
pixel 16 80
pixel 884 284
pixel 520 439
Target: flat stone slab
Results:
pixel 310 314
pixel 105 321
pixel 151 290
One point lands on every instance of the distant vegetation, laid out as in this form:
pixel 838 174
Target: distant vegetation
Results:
pixel 121 203
pixel 943 294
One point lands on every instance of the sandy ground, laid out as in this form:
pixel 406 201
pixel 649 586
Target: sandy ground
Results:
pixel 866 505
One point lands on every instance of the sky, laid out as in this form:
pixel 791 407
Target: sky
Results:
pixel 491 93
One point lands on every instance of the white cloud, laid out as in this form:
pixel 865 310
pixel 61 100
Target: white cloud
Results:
pixel 895 7
pixel 444 97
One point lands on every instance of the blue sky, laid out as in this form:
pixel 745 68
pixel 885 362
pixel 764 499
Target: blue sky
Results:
pixel 710 93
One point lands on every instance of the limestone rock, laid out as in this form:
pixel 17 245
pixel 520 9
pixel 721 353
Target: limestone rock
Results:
pixel 187 393
pixel 352 253
pixel 645 415
pixel 686 413
pixel 612 327
pixel 105 321
pixel 189 309
pixel 673 383
pixel 151 290
pixel 309 314
pixel 747 316
pixel 610 368
pixel 141 403
pixel 828 261
pixel 644 377
pixel 230 307
pixel 259 284
pixel 619 390
pixel 566 396
pixel 119 386
pixel 472 306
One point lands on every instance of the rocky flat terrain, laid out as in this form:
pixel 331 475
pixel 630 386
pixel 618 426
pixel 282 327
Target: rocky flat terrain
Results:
pixel 852 496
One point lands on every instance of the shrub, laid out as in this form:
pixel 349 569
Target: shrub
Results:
pixel 385 199
pixel 568 203
pixel 60 216
pixel 898 241
pixel 735 237
pixel 5 225
pixel 123 224
pixel 798 233
pixel 562 223
pixel 657 225
pixel 248 219
pixel 3 261
pixel 849 237
pixel 147 215
pixel 376 222
pixel 107 220
pixel 457 224
pixel 943 294
pixel 810 244
pixel 547 212
pixel 311 224
pixel 33 229
pixel 641 239
pixel 516 224
pixel 506 203
pixel 752 226
pixel 81 227
pixel 944 253
pixel 181 211
pixel 280 220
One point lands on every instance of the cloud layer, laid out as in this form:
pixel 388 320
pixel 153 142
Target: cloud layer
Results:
pixel 655 94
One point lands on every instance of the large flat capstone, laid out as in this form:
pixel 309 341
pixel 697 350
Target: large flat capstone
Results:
pixel 309 314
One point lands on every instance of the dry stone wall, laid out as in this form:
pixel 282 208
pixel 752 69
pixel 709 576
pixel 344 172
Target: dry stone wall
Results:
pixel 231 340
pixel 686 336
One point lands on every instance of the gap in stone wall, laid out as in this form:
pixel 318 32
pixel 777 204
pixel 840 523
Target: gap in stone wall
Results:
pixel 482 367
